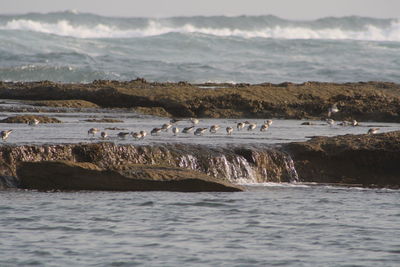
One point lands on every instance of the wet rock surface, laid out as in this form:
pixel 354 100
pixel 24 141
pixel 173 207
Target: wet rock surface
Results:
pixel 67 175
pixel 226 164
pixel 369 160
pixel 376 101
pixel 29 118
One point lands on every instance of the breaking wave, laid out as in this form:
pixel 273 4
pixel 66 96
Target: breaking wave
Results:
pixel 154 27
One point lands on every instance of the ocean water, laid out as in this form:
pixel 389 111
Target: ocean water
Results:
pixel 78 47
pixel 270 225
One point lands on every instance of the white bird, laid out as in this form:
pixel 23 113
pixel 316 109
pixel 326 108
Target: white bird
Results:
pixel 373 130
pixel 354 123
pixel 33 122
pixel 251 127
pixel 143 133
pixel 155 131
pixel 93 131
pixel 269 122
pixel 200 131
pixel 194 121
pixel 187 129
pixel 137 136
pixel 229 130
pixel 264 127
pixel 4 134
pixel 122 135
pixel 175 130
pixel 240 126
pixel 330 122
pixel 333 109
pixel 103 135
pixel 165 127
pixel 214 128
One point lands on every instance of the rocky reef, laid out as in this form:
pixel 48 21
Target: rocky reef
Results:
pixel 225 164
pixel 67 175
pixel 368 160
pixel 376 101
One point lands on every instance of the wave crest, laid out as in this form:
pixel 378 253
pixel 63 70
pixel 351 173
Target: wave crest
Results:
pixel 154 28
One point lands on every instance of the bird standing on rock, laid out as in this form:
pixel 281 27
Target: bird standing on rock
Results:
pixel 229 130
pixel 155 131
pixel 33 122
pixel 240 126
pixel 187 129
pixel 143 133
pixel 122 135
pixel 264 127
pixel 4 134
pixel 373 130
pixel 200 131
pixel 332 109
pixel 175 130
pixel 251 126
pixel 214 128
pixel 103 135
pixel 194 121
pixel 93 131
pixel 165 127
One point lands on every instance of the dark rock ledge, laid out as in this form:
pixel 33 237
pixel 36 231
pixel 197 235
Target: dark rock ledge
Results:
pixel 67 175
pixel 367 160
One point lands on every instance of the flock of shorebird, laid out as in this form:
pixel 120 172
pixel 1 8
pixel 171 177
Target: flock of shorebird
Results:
pixel 250 126
pixel 172 124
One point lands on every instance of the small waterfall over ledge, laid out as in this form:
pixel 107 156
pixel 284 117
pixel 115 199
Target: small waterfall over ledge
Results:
pixel 235 163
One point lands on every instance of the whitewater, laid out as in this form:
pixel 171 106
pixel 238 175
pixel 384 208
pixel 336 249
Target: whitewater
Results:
pixel 80 47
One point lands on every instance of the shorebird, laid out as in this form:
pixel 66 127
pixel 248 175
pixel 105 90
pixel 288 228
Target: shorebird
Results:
pixel 354 123
pixel 187 129
pixel 143 133
pixel 330 122
pixel 251 126
pixel 344 123
pixel 240 126
pixel 200 131
pixel 268 122
pixel 122 135
pixel 214 128
pixel 4 134
pixel 137 136
pixel 229 130
pixel 33 122
pixel 155 131
pixel 165 127
pixel 173 121
pixel 93 131
pixel 194 121
pixel 373 130
pixel 332 109
pixel 104 135
pixel 264 127
pixel 175 130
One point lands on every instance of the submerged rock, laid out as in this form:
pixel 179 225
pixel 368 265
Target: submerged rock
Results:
pixel 29 118
pixel 67 175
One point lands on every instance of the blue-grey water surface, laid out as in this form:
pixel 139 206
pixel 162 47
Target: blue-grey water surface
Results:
pixel 79 47
pixel 278 225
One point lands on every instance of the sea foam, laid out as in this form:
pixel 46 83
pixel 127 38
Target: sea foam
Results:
pixel 155 28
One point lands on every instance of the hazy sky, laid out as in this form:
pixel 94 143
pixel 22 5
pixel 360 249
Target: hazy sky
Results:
pixel 292 9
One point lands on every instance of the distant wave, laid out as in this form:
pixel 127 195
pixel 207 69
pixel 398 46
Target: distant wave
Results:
pixel 159 27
